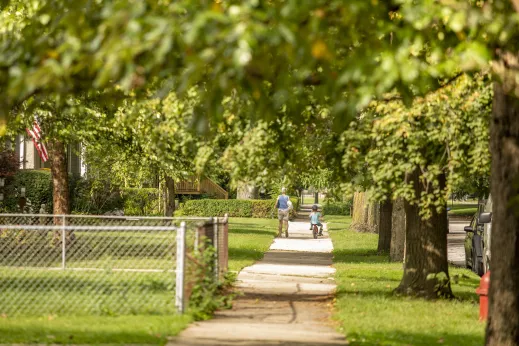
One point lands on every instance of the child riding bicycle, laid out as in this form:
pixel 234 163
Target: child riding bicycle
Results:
pixel 315 219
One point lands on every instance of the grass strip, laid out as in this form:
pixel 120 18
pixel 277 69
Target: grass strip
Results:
pixel 463 209
pixel 369 314
pixel 249 239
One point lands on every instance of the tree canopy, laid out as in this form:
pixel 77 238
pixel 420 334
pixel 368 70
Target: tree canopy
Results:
pixel 443 133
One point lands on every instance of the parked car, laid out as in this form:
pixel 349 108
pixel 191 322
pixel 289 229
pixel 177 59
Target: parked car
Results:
pixel 477 239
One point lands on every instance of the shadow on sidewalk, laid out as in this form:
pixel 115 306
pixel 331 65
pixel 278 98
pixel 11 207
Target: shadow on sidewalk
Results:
pixel 285 297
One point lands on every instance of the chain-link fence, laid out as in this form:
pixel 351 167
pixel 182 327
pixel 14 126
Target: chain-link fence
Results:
pixel 67 264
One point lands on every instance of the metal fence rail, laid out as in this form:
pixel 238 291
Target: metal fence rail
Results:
pixel 68 264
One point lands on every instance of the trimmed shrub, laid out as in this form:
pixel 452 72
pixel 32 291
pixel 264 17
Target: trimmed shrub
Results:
pixel 264 208
pixel 337 208
pixel 143 201
pixel 216 207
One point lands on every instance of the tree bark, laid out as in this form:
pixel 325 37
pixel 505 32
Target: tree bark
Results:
pixel 426 270
pixel 396 253
pixel 247 191
pixel 503 321
pixel 60 191
pixel 358 208
pixel 365 215
pixel 384 226
pixel 58 167
pixel 170 196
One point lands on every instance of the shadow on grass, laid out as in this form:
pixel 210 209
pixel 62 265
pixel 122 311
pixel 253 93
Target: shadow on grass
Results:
pixel 371 278
pixel 388 292
pixel 398 337
pixel 244 254
pixel 359 256
pixel 264 231
pixel 56 335
pixel 45 292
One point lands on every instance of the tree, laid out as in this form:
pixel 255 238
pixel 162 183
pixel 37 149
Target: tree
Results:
pixel 409 153
pixel 348 52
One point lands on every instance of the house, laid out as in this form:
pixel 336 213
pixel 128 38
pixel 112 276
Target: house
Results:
pixel 30 159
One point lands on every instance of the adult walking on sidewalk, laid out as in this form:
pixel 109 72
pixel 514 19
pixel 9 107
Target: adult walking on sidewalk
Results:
pixel 283 204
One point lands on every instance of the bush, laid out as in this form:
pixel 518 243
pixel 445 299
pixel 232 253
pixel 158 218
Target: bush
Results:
pixel 38 190
pixel 217 207
pixel 143 201
pixel 337 208
pixel 86 196
pixel 95 197
pixel 264 208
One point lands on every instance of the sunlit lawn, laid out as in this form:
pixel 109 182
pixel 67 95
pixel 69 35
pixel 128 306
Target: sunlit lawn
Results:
pixel 463 209
pixel 249 239
pixel 369 313
pixel 307 199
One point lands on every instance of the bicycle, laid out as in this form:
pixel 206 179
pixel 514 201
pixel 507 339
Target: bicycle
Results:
pixel 315 231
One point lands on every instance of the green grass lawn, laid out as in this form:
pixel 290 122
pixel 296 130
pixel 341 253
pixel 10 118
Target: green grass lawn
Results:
pixel 463 209
pixel 139 329
pixel 369 314
pixel 308 199
pixel 109 306
pixel 249 239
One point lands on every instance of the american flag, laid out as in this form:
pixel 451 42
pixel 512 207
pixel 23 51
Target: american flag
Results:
pixel 35 134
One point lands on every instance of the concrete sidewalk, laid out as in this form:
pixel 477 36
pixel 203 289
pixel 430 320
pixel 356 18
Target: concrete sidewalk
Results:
pixel 286 298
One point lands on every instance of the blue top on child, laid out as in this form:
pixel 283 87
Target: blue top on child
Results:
pixel 283 202
pixel 314 217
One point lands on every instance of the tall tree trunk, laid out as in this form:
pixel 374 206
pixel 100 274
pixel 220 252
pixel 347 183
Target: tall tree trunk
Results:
pixel 358 208
pixel 248 191
pixel 503 321
pixel 60 191
pixel 365 215
pixel 396 253
pixel 58 167
pixel 384 226
pixel 426 270
pixel 170 196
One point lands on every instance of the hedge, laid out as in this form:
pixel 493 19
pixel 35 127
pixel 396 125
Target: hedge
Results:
pixel 234 207
pixel 337 208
